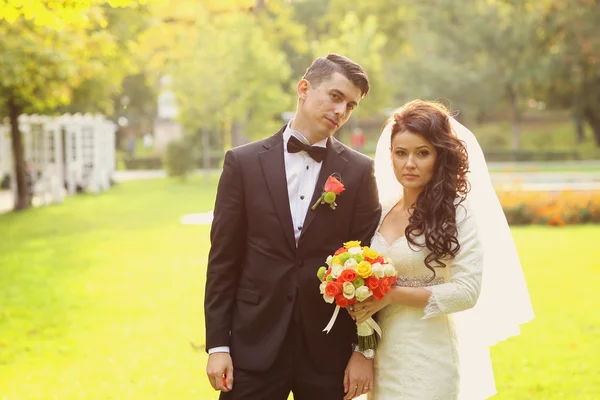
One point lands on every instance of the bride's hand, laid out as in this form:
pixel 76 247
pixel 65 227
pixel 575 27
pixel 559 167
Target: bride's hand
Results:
pixel 362 311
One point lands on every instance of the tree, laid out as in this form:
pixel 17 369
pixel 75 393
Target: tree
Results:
pixel 44 54
pixel 228 72
pixel 482 53
pixel 575 79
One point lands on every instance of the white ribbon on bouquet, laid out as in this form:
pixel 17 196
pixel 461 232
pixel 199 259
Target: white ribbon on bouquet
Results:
pixel 365 328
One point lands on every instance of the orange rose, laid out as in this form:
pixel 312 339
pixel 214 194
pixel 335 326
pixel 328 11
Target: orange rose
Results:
pixel 378 293
pixel 372 282
pixel 348 275
pixel 333 289
pixel 385 285
pixel 341 301
pixel 391 280
pixel 334 185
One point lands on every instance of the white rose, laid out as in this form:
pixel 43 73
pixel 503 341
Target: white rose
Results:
pixel 389 270
pixel 328 262
pixel 363 293
pixel 355 250
pixel 336 270
pixel 377 270
pixel 349 290
pixel 350 264
pixel 322 287
pixel 328 299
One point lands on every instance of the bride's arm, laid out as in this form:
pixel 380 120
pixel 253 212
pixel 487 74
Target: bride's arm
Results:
pixel 466 269
pixel 460 293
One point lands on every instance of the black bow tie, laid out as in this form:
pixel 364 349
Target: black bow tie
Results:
pixel 317 153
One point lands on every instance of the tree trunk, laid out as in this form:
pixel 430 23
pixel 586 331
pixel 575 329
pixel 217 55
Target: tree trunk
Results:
pixel 22 200
pixel 593 119
pixel 237 133
pixel 515 117
pixel 579 128
pixel 206 155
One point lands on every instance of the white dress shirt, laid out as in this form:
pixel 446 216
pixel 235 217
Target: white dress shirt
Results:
pixel 302 173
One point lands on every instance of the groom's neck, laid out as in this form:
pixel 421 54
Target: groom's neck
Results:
pixel 299 125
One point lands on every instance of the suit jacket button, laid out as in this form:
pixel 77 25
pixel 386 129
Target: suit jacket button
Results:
pixel 301 263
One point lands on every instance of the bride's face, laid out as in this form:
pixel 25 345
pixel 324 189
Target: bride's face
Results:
pixel 413 158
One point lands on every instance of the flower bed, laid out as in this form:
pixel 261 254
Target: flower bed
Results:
pixel 551 208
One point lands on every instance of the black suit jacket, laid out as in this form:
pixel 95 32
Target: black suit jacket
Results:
pixel 256 273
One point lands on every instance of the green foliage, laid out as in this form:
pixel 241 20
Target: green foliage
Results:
pixel 43 60
pixel 519 214
pixel 179 158
pixel 234 64
pixel 361 41
pixel 228 71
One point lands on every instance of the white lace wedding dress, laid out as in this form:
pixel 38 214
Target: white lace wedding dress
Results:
pixel 418 354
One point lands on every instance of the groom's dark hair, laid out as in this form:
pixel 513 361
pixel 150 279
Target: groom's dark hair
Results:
pixel 323 67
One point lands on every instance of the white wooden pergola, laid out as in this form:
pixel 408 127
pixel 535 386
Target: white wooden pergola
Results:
pixel 63 154
pixel 43 157
pixel 90 159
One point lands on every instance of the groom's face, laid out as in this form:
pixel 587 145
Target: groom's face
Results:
pixel 326 106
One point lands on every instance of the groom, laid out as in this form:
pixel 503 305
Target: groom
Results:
pixel 264 314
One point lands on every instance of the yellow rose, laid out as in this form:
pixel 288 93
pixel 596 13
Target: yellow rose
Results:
pixel 370 253
pixel 364 269
pixel 336 260
pixel 353 243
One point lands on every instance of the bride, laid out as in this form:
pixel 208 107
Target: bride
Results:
pixel 460 287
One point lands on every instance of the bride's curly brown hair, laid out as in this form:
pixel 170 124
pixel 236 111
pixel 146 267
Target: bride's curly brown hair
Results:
pixel 434 213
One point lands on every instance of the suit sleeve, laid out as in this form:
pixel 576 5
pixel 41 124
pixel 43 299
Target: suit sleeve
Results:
pixel 227 237
pixel 367 209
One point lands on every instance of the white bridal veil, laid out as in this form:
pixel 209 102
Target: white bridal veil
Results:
pixel 504 302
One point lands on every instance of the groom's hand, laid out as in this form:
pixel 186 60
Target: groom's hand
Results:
pixel 358 377
pixel 220 371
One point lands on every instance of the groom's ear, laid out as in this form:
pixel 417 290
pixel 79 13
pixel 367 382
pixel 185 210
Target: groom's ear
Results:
pixel 303 88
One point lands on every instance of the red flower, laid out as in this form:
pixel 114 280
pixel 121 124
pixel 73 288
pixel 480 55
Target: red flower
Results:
pixel 378 293
pixel 333 288
pixel 380 260
pixel 347 275
pixel 385 284
pixel 372 282
pixel 392 280
pixel 341 301
pixel 334 185
pixel 339 251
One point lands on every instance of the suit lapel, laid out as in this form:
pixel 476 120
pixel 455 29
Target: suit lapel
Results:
pixel 273 166
pixel 334 163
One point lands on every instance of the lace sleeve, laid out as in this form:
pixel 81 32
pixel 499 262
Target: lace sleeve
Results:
pixel 462 290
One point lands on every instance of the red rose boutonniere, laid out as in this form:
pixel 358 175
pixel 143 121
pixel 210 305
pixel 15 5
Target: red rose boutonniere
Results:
pixel 333 187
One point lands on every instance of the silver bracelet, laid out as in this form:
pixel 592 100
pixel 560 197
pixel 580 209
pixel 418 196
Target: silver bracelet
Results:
pixel 369 354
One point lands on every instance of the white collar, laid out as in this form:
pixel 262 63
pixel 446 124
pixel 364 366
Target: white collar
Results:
pixel 289 132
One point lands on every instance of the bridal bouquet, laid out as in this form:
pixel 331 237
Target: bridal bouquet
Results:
pixel 355 273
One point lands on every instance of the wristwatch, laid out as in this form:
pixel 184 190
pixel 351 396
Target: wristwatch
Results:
pixel 369 354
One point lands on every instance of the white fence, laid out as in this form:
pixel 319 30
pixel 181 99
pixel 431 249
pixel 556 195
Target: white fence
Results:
pixel 63 154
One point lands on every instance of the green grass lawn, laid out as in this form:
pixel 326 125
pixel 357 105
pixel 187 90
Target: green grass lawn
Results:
pixel 101 297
